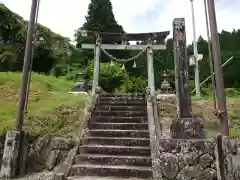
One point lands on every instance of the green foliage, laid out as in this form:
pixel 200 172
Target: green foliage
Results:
pixel 134 84
pixel 191 85
pixel 50 51
pixel 111 76
pixel 231 92
pixel 56 55
pixel 229 45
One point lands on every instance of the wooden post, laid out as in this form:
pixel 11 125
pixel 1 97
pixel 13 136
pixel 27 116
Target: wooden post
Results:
pixel 222 104
pixel 96 66
pixel 181 68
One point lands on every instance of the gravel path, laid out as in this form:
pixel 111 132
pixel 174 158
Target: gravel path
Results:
pixel 37 176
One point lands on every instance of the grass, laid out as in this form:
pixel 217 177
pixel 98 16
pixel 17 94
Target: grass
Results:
pixel 50 108
pixel 204 108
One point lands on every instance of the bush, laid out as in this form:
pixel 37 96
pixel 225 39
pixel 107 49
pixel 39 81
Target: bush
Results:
pixel 134 84
pixel 191 85
pixel 231 92
pixel 111 76
pixel 205 91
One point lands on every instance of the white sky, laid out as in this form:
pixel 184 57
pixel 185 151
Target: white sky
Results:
pixel 64 17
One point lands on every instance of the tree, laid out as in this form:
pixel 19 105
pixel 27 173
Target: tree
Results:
pixel 50 49
pixel 100 18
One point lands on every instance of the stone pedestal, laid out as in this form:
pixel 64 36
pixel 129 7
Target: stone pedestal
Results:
pixel 15 154
pixel 187 128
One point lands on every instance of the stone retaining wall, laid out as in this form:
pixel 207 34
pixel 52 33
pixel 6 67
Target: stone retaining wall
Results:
pixel 2 140
pixel 48 152
pixel 45 154
pixel 187 159
pixel 231 157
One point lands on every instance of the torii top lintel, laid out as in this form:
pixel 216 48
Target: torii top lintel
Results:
pixel 159 36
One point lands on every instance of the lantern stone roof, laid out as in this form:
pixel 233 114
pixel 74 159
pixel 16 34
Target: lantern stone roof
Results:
pixel 165 84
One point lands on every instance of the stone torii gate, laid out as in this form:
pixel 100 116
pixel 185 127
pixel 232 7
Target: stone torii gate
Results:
pixel 124 38
pixel 153 121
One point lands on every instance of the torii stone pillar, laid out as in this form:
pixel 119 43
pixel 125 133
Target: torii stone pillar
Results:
pixel 97 54
pixel 151 81
pixel 181 68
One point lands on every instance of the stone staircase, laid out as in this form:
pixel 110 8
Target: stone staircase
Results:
pixel 117 145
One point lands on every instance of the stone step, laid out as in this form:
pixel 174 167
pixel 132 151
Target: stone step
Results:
pixel 118 133
pixel 115 150
pixel 122 94
pixel 103 178
pixel 134 126
pixel 121 108
pixel 113 159
pixel 110 170
pixel 112 119
pixel 122 103
pixel 124 141
pixel 120 113
pixel 122 98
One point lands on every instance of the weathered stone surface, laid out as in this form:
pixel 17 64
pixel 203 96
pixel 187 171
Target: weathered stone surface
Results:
pixel 11 154
pixel 188 158
pixel 236 172
pixel 181 68
pixel 48 152
pixel 62 170
pixel 209 147
pixel 188 172
pixel 166 97
pixel 169 165
pixel 206 174
pixel 53 159
pixel 43 148
pixel 181 161
pixel 191 158
pixel 230 147
pixel 201 146
pixel 187 128
pixel 62 143
pixel 206 160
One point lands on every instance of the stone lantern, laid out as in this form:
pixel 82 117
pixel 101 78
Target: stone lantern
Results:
pixel 82 85
pixel 165 86
pixel 80 78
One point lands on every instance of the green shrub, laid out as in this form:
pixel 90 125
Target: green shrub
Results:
pixel 111 76
pixel 134 84
pixel 231 92
pixel 205 91
pixel 191 85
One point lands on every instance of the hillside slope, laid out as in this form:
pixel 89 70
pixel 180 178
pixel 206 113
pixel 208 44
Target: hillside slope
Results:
pixel 50 108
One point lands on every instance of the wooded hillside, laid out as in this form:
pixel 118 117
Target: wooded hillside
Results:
pixel 55 54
